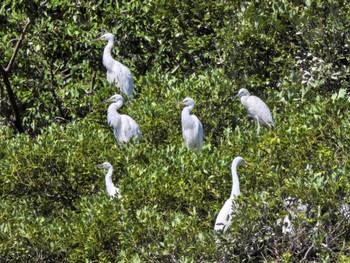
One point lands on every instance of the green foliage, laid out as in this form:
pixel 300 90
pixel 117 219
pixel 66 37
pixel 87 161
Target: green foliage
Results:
pixel 293 55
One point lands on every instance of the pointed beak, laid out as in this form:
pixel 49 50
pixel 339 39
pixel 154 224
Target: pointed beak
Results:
pixel 98 165
pixel 106 101
pixel 236 96
pixel 249 164
pixel 180 102
pixel 95 40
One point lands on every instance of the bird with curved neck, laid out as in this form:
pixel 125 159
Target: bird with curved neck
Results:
pixel 224 218
pixel 256 108
pixel 111 189
pixel 124 127
pixel 192 129
pixel 117 73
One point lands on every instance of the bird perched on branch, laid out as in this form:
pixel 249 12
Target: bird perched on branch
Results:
pixel 111 189
pixel 256 108
pixel 117 73
pixel 124 127
pixel 224 218
pixel 192 129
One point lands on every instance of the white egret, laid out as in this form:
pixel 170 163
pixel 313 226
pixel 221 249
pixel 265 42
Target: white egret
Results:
pixel 111 189
pixel 256 108
pixel 192 129
pixel 294 207
pixel 124 126
pixel 117 73
pixel 224 218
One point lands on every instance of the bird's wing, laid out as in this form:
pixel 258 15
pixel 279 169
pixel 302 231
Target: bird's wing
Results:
pixel 122 77
pixel 192 132
pixel 200 134
pixel 130 128
pixel 257 107
pixel 223 220
pixel 111 189
pixel 118 135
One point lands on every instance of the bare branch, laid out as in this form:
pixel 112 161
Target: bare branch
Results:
pixel 175 69
pixel 43 3
pixel 93 78
pixel 307 253
pixel 17 46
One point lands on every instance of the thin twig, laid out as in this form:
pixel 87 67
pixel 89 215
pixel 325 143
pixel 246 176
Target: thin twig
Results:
pixel 175 69
pixel 307 253
pixel 7 69
pixel 93 78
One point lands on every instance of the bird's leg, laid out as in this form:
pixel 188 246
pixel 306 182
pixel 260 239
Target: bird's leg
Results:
pixel 257 120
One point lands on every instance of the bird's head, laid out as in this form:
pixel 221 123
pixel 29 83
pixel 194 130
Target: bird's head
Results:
pixel 107 37
pixel 105 165
pixel 242 92
pixel 187 102
pixel 240 161
pixel 115 98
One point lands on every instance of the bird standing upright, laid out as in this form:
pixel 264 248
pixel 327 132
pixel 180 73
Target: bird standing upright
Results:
pixel 117 73
pixel 256 108
pixel 124 127
pixel 224 218
pixel 111 189
pixel 192 129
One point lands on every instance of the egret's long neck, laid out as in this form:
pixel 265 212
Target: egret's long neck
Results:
pixel 114 107
pixel 108 178
pixel 235 181
pixel 244 100
pixel 112 112
pixel 185 114
pixel 108 61
pixel 187 110
pixel 190 107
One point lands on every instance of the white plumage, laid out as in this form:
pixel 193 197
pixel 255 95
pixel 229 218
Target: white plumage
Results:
pixel 124 127
pixel 111 189
pixel 256 108
pixel 294 207
pixel 117 73
pixel 224 218
pixel 192 129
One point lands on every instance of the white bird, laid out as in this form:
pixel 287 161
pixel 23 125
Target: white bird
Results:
pixel 224 218
pixel 124 126
pixel 117 73
pixel 345 210
pixel 294 207
pixel 192 129
pixel 111 189
pixel 256 108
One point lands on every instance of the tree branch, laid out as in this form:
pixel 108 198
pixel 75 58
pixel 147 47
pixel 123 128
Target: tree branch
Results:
pixel 18 121
pixel 8 68
pixel 93 78
pixel 5 72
